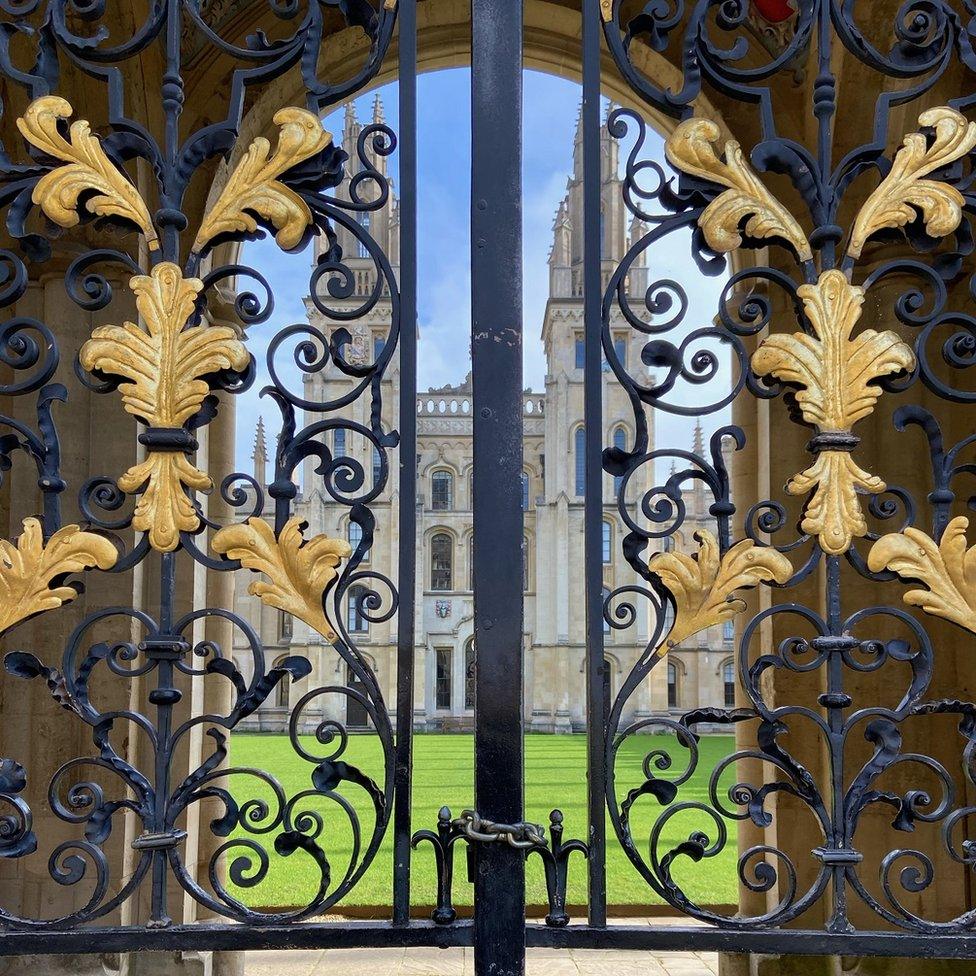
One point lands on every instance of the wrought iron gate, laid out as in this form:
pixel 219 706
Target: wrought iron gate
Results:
pixel 812 235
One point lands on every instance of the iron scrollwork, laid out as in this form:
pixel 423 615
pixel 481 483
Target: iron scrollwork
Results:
pixel 789 322
pixel 170 370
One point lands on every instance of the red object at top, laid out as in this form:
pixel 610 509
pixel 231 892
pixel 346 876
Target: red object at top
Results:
pixel 775 11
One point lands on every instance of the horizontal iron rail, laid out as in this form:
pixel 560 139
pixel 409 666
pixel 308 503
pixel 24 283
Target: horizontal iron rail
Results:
pixel 360 934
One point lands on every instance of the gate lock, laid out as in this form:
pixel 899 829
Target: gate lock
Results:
pixel 522 835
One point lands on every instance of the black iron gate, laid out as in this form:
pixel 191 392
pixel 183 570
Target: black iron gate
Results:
pixel 814 236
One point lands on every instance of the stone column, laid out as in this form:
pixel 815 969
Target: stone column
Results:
pixel 902 459
pixel 36 732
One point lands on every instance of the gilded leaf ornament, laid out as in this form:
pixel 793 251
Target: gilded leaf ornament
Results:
pixel 299 571
pixel 834 372
pixel 703 586
pixel 29 568
pixel 905 193
pixel 947 570
pixel 833 514
pixel 163 365
pixel 253 186
pixel 86 169
pixel 691 149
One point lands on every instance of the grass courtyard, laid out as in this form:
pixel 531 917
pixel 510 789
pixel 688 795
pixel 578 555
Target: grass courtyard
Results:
pixel 443 774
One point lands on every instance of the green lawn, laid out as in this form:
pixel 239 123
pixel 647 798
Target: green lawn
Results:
pixel 555 777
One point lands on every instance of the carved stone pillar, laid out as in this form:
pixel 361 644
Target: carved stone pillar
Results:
pixel 37 733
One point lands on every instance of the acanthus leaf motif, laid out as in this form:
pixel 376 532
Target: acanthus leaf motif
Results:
pixel 835 373
pixel 86 168
pixel 833 514
pixel 904 193
pixel 299 571
pixel 254 188
pixel 947 570
pixel 163 366
pixel 703 587
pixel 29 569
pixel 691 149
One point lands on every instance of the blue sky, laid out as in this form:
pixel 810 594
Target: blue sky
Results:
pixel 444 120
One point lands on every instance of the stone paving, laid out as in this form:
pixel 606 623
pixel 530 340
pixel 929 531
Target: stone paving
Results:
pixel 460 962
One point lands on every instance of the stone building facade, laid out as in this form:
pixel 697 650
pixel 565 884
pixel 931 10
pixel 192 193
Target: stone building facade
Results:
pixel 552 496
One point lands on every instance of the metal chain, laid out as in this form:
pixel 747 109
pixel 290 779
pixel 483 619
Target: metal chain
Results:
pixel 522 834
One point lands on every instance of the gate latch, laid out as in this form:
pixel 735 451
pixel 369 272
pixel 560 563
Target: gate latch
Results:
pixel 523 834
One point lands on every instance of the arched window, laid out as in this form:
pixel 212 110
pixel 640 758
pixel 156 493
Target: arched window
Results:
pixel 620 350
pixel 672 686
pixel 356 622
pixel 339 442
pixel 362 250
pixel 606 623
pixel 728 684
pixel 283 688
pixel 354 535
pixel 607 543
pixel 619 442
pixel 470 663
pixel 728 630
pixel 442 491
pixel 525 491
pixel 579 447
pixel 441 562
pixel 579 352
pixel 377 465
pixel 284 626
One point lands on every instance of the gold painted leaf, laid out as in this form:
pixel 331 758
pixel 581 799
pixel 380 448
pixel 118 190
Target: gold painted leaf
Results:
pixel 833 513
pixel 703 586
pixel 947 570
pixel 28 568
pixel 164 365
pixel 254 188
pixel 87 168
pixel 299 572
pixel 835 374
pixel 904 193
pixel 690 148
pixel 164 509
pixel 834 371
pixel 165 361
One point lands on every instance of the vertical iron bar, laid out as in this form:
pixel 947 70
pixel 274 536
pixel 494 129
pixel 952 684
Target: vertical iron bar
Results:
pixel 835 722
pixel 162 697
pixel 496 353
pixel 406 577
pixel 596 720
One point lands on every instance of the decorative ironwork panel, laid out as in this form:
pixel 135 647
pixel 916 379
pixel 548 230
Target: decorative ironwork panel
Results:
pixel 122 195
pixel 837 686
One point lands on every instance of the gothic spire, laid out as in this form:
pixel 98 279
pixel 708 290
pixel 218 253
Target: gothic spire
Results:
pixel 260 453
pixel 350 128
pixel 378 109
